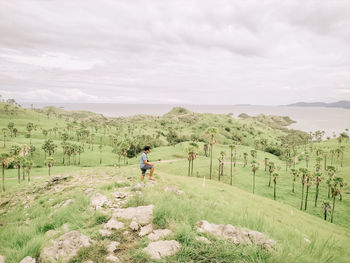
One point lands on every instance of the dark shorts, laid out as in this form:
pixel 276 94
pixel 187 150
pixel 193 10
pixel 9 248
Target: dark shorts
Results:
pixel 147 167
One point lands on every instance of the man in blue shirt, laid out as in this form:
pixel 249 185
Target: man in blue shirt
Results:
pixel 145 164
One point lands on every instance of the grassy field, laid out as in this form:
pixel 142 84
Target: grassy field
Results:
pixel 27 212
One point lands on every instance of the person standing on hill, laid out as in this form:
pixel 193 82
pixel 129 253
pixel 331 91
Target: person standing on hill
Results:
pixel 145 164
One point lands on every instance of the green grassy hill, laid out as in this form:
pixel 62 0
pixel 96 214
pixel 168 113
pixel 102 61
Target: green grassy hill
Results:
pixel 109 161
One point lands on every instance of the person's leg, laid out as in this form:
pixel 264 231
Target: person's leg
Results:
pixel 143 174
pixel 151 173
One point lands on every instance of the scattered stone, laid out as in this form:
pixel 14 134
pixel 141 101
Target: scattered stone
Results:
pixel 235 234
pixel 99 200
pixel 142 214
pixel 88 191
pixel 88 261
pixel 173 189
pixel 134 225
pixel 160 249
pixel 2 259
pixel 112 246
pixel 145 230
pixel 105 232
pixel 159 234
pixel 120 195
pixel 28 259
pixel 113 224
pixel 126 233
pixel 112 258
pixel 64 247
pixel 203 240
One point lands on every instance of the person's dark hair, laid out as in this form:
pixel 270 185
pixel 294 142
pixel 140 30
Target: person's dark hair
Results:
pixel 147 148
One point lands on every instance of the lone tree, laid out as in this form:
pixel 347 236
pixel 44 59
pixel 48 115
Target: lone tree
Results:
pixel 275 176
pixel 211 133
pixel 255 167
pixel 49 162
pixel 326 206
pixel 271 166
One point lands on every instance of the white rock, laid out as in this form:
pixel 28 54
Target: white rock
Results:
pixel 159 234
pixel 28 259
pixel 64 247
pixel 88 191
pixel 88 261
pixel 145 230
pixel 112 258
pixel 2 259
pixel 173 189
pixel 160 249
pixel 51 233
pixel 112 246
pixel 134 225
pixel 142 214
pixel 113 224
pixel 105 232
pixel 99 200
pixel 120 195
pixel 235 234
pixel 203 240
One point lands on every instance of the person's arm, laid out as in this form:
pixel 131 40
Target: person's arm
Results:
pixel 148 163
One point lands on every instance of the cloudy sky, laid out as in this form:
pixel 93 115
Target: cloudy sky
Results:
pixel 191 51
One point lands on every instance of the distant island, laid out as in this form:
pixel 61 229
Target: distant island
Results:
pixel 339 104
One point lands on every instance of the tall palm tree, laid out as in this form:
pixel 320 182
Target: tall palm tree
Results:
pixel 231 172
pixel 295 174
pixel 325 207
pixel 253 153
pixel 4 133
pixel 335 190
pixel 331 173
pixel 28 166
pixel 318 179
pixel 245 155
pixel 266 161
pixel 308 185
pixel 17 162
pixel 307 159
pixel 271 167
pixel 211 133
pixel 205 148
pixel 49 162
pixel 304 172
pixel 5 161
pixel 275 176
pixel 221 163
pixel 255 167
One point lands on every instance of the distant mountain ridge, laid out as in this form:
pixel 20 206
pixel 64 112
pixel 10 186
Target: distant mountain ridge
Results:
pixel 338 104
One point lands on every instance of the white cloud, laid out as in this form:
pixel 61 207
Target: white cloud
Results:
pixel 186 51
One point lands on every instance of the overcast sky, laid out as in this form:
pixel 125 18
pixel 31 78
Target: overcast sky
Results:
pixel 157 51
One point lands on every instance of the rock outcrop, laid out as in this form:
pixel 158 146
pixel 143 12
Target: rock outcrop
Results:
pixel 28 259
pixel 237 235
pixel 159 234
pixel 64 247
pixel 142 214
pixel 160 249
pixel 113 224
pixel 98 201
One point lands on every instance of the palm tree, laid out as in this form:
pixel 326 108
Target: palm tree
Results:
pixel 266 161
pixel 28 166
pixel 335 190
pixel 325 155
pixel 30 127
pixel 245 155
pixel 304 172
pixel 49 147
pixel 205 148
pixel 331 173
pixel 231 148
pixel 17 161
pixel 49 162
pixel 255 167
pixel 191 151
pixel 100 148
pixel 318 179
pixel 325 207
pixel 308 185
pixel 5 160
pixel 211 133
pixel 295 174
pixel 271 167
pixel 221 164
pixel 253 153
pixel 11 126
pixel 275 176
pixel 4 132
